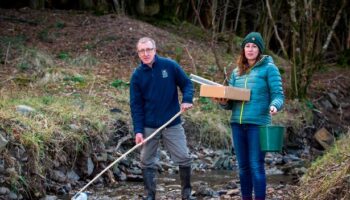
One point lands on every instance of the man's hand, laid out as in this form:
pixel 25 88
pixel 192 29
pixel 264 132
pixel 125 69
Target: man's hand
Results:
pixel 273 110
pixel 138 138
pixel 221 101
pixel 186 106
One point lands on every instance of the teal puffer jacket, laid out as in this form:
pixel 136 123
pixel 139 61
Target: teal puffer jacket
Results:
pixel 264 81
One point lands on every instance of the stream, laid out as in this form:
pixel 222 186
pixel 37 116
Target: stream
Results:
pixel 210 185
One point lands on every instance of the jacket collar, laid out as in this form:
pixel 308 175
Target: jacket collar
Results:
pixel 146 67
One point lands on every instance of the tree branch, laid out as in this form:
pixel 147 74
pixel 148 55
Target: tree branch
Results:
pixel 335 23
pixel 276 31
pixel 197 14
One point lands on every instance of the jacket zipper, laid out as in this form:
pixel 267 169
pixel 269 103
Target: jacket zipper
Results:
pixel 242 107
pixel 245 87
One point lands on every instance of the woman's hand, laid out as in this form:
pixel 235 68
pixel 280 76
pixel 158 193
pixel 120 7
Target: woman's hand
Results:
pixel 221 101
pixel 273 110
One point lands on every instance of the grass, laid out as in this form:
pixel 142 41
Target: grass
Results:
pixel 208 125
pixel 328 177
pixel 53 114
pixel 33 59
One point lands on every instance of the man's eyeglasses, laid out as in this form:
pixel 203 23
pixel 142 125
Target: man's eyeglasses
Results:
pixel 144 51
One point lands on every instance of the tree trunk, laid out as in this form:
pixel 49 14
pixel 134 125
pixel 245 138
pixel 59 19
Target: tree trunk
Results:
pixel 237 16
pixel 225 15
pixel 37 4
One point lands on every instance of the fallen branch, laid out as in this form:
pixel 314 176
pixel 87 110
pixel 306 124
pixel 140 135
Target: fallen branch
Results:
pixel 121 141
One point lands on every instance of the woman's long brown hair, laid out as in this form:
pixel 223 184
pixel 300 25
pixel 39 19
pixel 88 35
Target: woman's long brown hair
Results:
pixel 243 65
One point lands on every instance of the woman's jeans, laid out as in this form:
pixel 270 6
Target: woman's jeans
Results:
pixel 250 160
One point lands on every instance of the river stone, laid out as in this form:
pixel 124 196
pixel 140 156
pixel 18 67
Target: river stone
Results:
pixel 101 157
pixel 3 142
pixel 206 191
pixel 324 138
pixel 13 196
pixel 122 176
pixel 231 185
pixel 274 171
pixel 90 166
pixel 135 171
pixel 326 104
pixel 233 192
pixel 333 99
pixel 24 110
pixel 49 197
pixel 58 176
pixel 2 166
pixel 4 190
pixel 71 175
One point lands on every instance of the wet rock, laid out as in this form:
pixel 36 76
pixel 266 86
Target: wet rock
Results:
pixel 24 110
pixel 134 178
pixel 49 197
pixel 300 171
pixel 20 153
pixel 101 157
pixel 90 166
pixel 168 180
pixel 11 171
pixel 326 104
pixel 270 190
pixel 166 165
pixel 174 187
pixel 135 171
pixel 3 142
pixel 324 138
pixel 4 190
pixel 274 171
pixel 2 166
pixel 290 158
pixel 333 99
pixel 122 176
pixel 64 190
pixel 160 188
pixel 231 185
pixel 13 196
pixel 71 175
pixel 233 192
pixel 206 191
pixel 58 176
pixel 163 155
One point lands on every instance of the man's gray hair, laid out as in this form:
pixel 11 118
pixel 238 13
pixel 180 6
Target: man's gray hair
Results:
pixel 144 40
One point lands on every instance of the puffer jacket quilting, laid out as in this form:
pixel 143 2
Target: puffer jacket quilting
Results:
pixel 265 83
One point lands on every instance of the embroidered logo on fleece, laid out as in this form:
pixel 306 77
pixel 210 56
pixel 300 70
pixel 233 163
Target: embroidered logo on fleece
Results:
pixel 164 73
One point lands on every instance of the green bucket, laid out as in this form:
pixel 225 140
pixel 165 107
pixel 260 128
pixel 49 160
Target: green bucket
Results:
pixel 271 138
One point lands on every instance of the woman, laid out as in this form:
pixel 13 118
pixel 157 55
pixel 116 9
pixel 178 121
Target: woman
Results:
pixel 258 73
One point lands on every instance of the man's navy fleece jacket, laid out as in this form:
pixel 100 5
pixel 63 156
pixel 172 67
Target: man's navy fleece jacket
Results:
pixel 154 93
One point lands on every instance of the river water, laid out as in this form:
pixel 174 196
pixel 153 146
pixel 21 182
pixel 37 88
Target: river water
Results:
pixel 168 185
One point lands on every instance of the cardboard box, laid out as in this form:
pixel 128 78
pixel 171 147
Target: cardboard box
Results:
pixel 225 92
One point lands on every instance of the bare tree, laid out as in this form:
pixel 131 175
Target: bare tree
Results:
pixel 237 15
pixel 225 15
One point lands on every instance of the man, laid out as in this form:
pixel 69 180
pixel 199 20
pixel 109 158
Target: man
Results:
pixel 153 101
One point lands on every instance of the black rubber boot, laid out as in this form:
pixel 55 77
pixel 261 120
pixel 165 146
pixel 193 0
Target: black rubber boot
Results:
pixel 185 177
pixel 149 182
